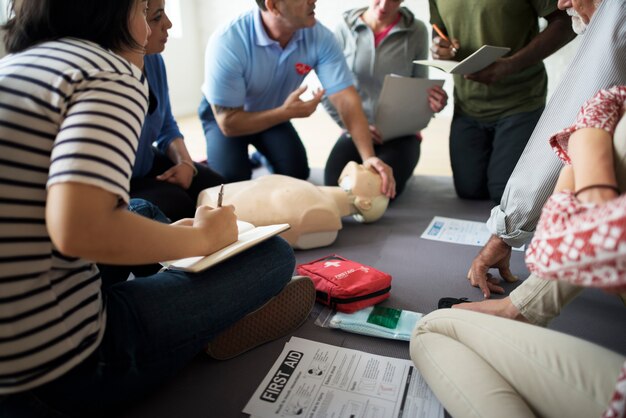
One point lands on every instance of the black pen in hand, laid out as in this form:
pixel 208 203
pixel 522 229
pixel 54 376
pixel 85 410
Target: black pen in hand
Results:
pixel 220 196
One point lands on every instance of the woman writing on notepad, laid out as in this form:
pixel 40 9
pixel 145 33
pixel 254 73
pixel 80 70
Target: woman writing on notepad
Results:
pixel 73 101
pixel 381 39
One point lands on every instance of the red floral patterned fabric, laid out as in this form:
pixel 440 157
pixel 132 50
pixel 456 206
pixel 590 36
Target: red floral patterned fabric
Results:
pixel 580 243
pixel 602 111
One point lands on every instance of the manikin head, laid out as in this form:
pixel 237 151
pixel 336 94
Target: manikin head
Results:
pixel 363 185
pixel 581 12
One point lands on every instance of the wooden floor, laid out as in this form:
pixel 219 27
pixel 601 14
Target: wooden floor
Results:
pixel 319 132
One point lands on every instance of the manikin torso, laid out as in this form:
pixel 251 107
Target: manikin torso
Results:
pixel 314 212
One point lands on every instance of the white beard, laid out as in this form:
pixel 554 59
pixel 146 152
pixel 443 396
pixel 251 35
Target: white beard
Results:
pixel 578 25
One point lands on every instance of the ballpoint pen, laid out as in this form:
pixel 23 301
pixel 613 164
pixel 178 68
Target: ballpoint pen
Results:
pixel 443 36
pixel 220 196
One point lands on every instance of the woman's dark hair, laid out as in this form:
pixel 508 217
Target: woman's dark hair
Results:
pixel 104 22
pixel 261 4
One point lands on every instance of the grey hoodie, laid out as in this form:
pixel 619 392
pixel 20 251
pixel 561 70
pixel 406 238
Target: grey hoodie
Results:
pixel 406 42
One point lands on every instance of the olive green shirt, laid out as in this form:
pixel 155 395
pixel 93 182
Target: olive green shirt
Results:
pixel 510 23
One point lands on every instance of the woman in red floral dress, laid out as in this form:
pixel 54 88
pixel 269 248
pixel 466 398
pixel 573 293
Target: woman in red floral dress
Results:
pixel 493 366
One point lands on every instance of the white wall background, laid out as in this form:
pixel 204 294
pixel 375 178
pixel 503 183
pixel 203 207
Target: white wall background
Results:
pixel 195 20
pixel 185 56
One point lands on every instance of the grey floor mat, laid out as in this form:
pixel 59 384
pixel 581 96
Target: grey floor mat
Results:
pixel 423 271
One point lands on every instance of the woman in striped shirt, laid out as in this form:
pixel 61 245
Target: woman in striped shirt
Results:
pixel 72 102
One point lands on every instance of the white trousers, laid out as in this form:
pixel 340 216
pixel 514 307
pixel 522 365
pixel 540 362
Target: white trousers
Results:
pixel 485 366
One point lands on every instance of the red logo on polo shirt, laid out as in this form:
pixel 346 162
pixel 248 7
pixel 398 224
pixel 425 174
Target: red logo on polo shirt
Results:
pixel 303 69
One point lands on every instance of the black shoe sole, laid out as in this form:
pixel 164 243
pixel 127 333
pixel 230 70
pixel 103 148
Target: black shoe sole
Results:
pixel 445 303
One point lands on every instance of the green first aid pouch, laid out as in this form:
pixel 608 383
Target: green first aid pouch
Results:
pixel 376 321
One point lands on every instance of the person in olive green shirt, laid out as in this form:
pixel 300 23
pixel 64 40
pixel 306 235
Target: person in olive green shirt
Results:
pixel 497 108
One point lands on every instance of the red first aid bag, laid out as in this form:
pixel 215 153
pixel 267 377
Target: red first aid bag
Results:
pixel 345 285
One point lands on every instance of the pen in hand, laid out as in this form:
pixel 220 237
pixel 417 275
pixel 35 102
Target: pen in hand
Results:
pixel 443 36
pixel 220 196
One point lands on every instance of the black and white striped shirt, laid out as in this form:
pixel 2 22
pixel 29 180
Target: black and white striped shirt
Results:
pixel 599 63
pixel 69 111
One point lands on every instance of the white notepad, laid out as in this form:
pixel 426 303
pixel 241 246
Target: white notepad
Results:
pixel 249 236
pixel 480 59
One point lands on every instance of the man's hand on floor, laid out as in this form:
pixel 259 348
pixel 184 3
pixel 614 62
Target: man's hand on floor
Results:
pixel 495 254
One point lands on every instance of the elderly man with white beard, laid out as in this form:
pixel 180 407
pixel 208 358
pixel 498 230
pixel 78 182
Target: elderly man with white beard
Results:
pixel 600 62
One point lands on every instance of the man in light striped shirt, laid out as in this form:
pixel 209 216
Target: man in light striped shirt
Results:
pixel 600 62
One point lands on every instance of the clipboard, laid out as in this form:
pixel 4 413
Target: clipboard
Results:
pixel 403 107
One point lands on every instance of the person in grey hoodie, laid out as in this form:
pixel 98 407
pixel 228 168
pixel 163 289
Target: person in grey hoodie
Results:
pixel 381 39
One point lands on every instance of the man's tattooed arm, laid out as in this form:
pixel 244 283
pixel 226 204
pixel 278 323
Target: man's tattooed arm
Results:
pixel 220 110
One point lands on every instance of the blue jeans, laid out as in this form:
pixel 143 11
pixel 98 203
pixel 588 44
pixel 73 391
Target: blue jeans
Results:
pixel 484 154
pixel 112 274
pixel 176 202
pixel 280 145
pixel 155 326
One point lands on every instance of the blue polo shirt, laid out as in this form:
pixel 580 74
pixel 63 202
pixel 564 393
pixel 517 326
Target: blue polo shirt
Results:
pixel 245 67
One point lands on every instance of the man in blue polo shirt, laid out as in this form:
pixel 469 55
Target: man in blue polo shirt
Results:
pixel 254 67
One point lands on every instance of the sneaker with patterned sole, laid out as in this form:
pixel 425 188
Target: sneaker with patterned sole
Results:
pixel 280 316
